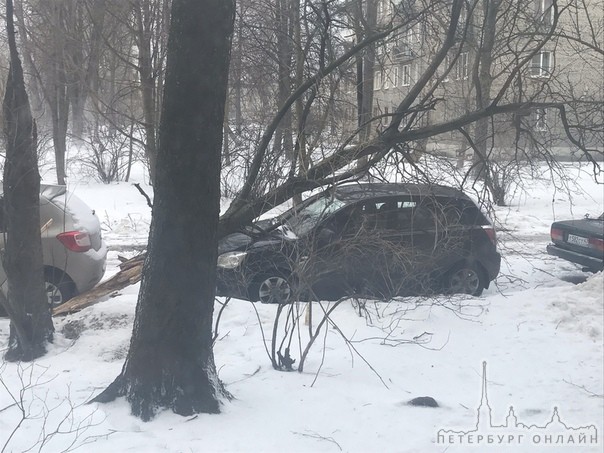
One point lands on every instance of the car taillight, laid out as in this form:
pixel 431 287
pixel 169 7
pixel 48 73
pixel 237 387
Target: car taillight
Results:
pixel 557 234
pixel 490 231
pixel 76 241
pixel 596 244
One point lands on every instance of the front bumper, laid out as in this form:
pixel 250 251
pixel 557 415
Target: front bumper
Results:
pixel 231 283
pixel 590 262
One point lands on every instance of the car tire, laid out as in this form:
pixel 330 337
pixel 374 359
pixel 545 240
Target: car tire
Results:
pixel 274 288
pixel 59 287
pixel 465 279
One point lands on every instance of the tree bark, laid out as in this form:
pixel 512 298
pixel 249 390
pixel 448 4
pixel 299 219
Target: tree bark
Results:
pixel 27 305
pixel 283 143
pixel 366 107
pixel 170 363
pixel 147 84
pixel 58 98
pixel 483 81
pixel 365 70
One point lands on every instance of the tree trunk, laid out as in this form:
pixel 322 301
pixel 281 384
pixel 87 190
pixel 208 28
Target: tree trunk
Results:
pixel 83 69
pixel 58 97
pixel 365 69
pixel 170 363
pixel 148 87
pixel 60 114
pixel 366 108
pixel 27 305
pixel 483 81
pixel 237 71
pixel 283 136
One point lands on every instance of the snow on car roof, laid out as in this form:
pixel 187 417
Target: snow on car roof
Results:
pixel 360 191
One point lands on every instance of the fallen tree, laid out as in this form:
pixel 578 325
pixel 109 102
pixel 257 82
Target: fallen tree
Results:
pixel 129 274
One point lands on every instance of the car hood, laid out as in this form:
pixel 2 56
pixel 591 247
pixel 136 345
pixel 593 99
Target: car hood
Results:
pixel 242 241
pixel 591 227
pixel 233 242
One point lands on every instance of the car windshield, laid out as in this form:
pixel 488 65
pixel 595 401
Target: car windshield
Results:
pixel 303 221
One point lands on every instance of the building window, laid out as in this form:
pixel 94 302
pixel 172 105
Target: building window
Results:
pixel 386 79
pixel 377 80
pixel 462 66
pixel 406 75
pixel 396 76
pixel 384 9
pixel 448 60
pixel 463 21
pixel 417 33
pixel 541 64
pixel 544 12
pixel 540 118
pixel 407 41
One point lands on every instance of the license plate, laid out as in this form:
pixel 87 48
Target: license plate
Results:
pixel 577 240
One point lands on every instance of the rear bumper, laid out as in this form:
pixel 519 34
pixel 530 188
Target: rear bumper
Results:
pixel 594 264
pixel 493 265
pixel 87 269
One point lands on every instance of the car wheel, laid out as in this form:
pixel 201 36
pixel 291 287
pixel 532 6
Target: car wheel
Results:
pixel 465 279
pixel 274 289
pixel 59 288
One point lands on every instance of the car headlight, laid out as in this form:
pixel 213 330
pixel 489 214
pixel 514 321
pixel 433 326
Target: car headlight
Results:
pixel 230 260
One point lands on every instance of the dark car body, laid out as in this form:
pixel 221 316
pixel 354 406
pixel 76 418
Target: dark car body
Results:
pixel 373 240
pixel 579 241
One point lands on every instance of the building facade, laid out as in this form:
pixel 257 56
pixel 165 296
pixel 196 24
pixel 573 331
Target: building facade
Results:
pixel 520 51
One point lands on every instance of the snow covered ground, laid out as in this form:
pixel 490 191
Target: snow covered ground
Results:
pixel 539 330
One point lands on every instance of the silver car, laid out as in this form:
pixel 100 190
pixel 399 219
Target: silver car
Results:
pixel 72 245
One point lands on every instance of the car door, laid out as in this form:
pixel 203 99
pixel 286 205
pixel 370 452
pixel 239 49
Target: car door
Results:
pixel 380 246
pixel 407 232
pixel 323 266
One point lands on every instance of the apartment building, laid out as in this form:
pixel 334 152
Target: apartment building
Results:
pixel 501 50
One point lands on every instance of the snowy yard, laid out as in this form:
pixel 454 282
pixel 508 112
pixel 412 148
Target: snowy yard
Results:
pixel 539 330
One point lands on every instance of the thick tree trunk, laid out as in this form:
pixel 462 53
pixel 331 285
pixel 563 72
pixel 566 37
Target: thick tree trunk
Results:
pixel 170 363
pixel 27 305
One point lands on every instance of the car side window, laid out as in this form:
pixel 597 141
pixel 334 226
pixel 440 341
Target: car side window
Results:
pixel 423 218
pixel 362 217
pixel 404 215
pixel 459 212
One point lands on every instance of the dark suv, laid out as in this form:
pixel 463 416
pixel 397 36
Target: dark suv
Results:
pixel 369 240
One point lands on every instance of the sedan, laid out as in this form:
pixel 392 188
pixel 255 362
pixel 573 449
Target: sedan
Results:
pixel 580 242
pixel 74 252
